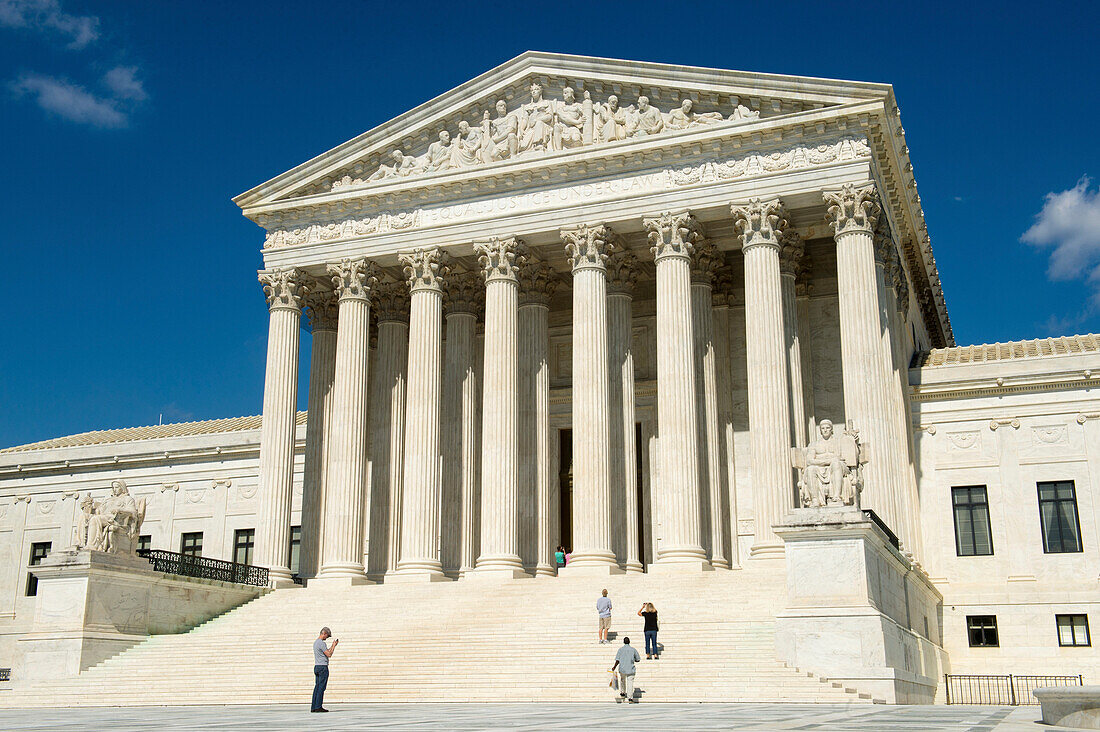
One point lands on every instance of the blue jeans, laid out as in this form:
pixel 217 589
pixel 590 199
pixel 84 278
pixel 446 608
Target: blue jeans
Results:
pixel 651 642
pixel 321 672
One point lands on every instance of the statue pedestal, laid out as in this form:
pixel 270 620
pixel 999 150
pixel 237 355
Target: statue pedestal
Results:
pixel 858 612
pixel 92 605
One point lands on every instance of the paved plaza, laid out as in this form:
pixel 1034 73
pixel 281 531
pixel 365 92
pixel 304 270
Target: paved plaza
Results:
pixel 610 716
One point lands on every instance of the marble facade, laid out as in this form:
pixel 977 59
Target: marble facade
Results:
pixel 597 303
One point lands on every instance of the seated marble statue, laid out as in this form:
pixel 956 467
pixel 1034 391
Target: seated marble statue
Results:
pixel 568 121
pixel 117 517
pixel 831 468
pixel 682 117
pixel 614 121
pixel 503 139
pixel 439 153
pixel 467 146
pixel 536 129
pixel 648 120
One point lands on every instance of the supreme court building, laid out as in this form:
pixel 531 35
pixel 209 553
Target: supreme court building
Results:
pixel 606 305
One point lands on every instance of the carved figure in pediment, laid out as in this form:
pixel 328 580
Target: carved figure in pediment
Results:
pixel 649 120
pixel 468 146
pixel 743 114
pixel 683 117
pixel 536 123
pixel 403 165
pixel 831 468
pixel 615 121
pixel 569 119
pixel 503 134
pixel 439 153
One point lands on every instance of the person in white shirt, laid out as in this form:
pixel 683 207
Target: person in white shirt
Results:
pixel 625 658
pixel 603 609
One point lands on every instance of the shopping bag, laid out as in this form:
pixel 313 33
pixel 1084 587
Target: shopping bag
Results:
pixel 613 680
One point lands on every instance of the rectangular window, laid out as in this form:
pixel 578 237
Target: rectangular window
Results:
pixel 1073 630
pixel 145 542
pixel 973 536
pixel 191 544
pixel 1058 516
pixel 243 542
pixel 295 549
pixel 982 630
pixel 39 551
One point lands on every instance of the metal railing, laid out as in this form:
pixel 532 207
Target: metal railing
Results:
pixel 890 535
pixel 1012 690
pixel 205 568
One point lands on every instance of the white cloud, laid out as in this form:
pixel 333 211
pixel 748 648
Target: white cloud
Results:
pixel 1069 224
pixel 70 101
pixel 120 80
pixel 47 16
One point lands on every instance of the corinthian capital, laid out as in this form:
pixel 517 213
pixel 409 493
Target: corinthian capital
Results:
pixel 622 273
pixel 464 292
pixel 852 208
pixel 673 235
pixel 883 240
pixel 284 288
pixel 722 287
pixel 425 268
pixel 791 251
pixel 391 302
pixel 760 222
pixel 321 309
pixel 537 283
pixel 803 284
pixel 588 246
pixel 500 258
pixel 705 261
pixel 353 279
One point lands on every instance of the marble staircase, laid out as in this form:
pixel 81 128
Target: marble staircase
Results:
pixel 471 640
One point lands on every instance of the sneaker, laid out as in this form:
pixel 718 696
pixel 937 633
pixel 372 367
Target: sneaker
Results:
pixel 321 709
pixel 632 701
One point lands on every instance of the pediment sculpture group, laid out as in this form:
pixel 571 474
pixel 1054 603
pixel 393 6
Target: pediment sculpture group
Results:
pixel 111 525
pixel 545 125
pixel 831 467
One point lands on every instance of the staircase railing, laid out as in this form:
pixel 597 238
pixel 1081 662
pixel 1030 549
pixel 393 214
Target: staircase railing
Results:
pixel 1013 690
pixel 187 565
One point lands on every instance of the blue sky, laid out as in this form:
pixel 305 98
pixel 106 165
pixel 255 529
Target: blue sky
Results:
pixel 126 127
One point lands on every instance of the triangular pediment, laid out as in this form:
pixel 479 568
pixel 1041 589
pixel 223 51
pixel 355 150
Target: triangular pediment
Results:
pixel 408 149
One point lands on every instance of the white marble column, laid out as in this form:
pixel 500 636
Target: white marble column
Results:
pixel 853 212
pixel 587 248
pixel 321 311
pixel 537 284
pixel 803 286
pixel 790 265
pixel 622 276
pixel 500 411
pixel 760 224
pixel 390 301
pixel 705 262
pixel 284 290
pixel 721 299
pixel 342 550
pixel 673 237
pixel 463 294
pixel 420 487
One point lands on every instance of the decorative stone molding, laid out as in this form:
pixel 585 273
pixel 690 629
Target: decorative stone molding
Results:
pixel 220 483
pixel 174 487
pixel 390 302
pixel 1051 434
pixel 464 292
pixel 500 258
pixel 353 279
pixel 23 498
pixel 623 270
pixel 852 208
pixel 425 268
pixel 284 288
pixel 1086 416
pixel 930 429
pixel 322 309
pixel 705 261
pixel 588 247
pixel 1013 422
pixel 673 235
pixel 760 223
pixel 537 283
pixel 791 251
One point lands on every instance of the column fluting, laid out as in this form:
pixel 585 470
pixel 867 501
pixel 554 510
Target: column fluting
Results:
pixel 537 285
pixel 791 251
pixel 673 238
pixel 500 408
pixel 760 224
pixel 587 248
pixel 721 299
pixel 284 290
pixel 419 554
pixel 342 549
pixel 622 276
pixel 387 426
pixel 322 312
pixel 463 294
